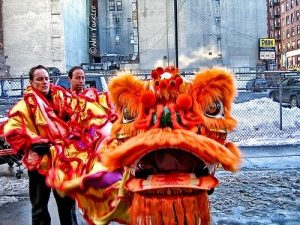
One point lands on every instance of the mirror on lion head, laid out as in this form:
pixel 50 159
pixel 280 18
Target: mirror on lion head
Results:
pixel 170 137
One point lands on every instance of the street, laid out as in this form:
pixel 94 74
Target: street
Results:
pixel 265 192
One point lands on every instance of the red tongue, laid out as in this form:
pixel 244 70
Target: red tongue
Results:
pixel 178 180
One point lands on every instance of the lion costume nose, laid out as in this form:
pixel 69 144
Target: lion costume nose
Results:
pixel 166 118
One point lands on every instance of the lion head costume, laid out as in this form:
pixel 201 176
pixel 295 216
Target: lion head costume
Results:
pixel 169 138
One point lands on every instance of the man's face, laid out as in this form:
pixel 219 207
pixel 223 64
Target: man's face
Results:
pixel 41 81
pixel 78 81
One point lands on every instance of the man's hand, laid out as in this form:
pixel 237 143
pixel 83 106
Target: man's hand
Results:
pixel 33 160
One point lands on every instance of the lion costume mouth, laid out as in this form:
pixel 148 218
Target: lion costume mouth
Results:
pixel 166 158
pixel 171 172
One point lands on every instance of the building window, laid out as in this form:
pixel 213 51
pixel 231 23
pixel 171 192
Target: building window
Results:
pixel 297 15
pixel 287 33
pixel 288 46
pixel 117 39
pixel 289 61
pixel 292 4
pixel 282 8
pixel 297 2
pixel 119 5
pixel 298 43
pixel 283 22
pixel 298 29
pixel 277 35
pixel 293 31
pixel 270 3
pixel 287 20
pixel 116 19
pixel 292 18
pixel 111 5
pixel 294 60
pixel 287 6
pixel 293 45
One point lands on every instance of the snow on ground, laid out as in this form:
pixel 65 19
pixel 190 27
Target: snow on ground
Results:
pixel 12 189
pixel 259 123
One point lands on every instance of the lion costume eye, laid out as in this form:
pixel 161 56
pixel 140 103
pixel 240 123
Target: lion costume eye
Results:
pixel 127 117
pixel 215 110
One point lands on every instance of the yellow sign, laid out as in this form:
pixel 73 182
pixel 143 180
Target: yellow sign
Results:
pixel 266 43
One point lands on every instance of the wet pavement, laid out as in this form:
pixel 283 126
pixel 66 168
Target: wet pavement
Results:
pixel 265 192
pixel 258 197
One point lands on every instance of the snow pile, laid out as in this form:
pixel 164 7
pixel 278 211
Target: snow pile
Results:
pixel 259 123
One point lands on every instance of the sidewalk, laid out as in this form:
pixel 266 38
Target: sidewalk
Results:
pixel 271 157
pixel 264 191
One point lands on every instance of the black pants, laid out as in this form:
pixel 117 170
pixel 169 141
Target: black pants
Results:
pixel 39 194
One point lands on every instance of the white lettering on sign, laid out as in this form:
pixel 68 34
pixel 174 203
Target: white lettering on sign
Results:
pixel 93 30
pixel 265 55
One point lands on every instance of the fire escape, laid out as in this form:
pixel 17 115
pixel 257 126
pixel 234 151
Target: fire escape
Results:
pixel 274 27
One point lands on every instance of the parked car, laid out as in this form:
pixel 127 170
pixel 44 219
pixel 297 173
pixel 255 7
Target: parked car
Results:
pixel 276 76
pixel 256 84
pixel 91 81
pixel 290 92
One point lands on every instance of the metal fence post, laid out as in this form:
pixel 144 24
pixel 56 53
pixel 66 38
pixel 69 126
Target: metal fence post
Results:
pixel 280 101
pixel 22 85
pixel 3 94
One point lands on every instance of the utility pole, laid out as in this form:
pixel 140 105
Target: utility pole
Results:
pixel 176 33
pixel 1 30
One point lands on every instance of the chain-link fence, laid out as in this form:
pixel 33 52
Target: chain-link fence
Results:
pixel 267 104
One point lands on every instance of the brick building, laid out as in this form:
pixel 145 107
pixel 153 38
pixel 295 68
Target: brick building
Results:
pixel 284 27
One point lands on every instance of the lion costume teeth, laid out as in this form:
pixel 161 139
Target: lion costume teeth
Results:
pixel 170 136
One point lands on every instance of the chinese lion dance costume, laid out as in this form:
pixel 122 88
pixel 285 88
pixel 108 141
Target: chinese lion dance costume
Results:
pixel 157 164
pixel 169 137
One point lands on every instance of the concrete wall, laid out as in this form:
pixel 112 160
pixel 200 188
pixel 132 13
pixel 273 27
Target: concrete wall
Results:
pixel 75 32
pixel 48 32
pixel 242 22
pixel 27 34
pixel 156 33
